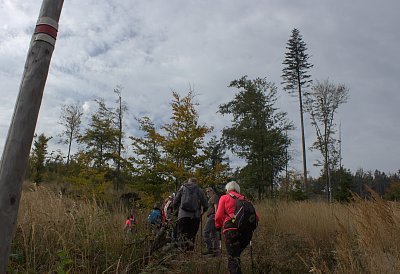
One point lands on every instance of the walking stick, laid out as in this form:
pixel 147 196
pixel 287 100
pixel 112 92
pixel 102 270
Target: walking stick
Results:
pixel 251 257
pixel 220 242
pixel 220 250
pixel 201 236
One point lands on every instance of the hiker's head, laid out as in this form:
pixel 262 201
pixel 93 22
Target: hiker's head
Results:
pixel 210 191
pixel 232 186
pixel 192 180
pixel 157 206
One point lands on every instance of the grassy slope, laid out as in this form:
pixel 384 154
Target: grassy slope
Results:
pixel 81 236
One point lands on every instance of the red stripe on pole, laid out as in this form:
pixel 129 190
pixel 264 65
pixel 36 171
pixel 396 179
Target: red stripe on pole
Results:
pixel 46 29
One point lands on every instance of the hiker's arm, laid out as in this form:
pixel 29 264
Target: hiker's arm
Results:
pixel 215 203
pixel 203 200
pixel 220 213
pixel 177 199
pixel 166 214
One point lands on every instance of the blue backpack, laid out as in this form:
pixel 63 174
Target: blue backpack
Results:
pixel 154 217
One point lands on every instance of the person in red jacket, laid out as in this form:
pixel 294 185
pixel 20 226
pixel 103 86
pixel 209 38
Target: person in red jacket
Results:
pixel 130 223
pixel 235 240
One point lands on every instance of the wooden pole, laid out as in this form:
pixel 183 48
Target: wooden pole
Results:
pixel 20 135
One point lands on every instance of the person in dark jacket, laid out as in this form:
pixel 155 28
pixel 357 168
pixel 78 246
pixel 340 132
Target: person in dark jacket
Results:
pixel 211 237
pixel 235 241
pixel 191 202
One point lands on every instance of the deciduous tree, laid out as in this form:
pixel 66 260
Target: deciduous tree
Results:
pixel 148 167
pixel 70 119
pixel 183 141
pixel 322 104
pixel 258 132
pixel 101 137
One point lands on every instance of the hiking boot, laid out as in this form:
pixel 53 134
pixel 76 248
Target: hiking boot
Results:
pixel 214 254
pixel 189 246
pixel 211 253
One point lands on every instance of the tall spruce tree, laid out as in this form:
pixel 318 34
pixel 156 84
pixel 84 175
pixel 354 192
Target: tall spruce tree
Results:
pixel 38 157
pixel 296 78
pixel 215 168
pixel 258 132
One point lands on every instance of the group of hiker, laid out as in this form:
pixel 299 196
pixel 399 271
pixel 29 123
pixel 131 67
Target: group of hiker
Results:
pixel 231 213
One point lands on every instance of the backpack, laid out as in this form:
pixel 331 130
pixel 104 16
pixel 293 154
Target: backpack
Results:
pixel 154 217
pixel 244 218
pixel 189 201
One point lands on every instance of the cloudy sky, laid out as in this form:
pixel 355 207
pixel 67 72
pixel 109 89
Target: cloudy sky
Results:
pixel 153 47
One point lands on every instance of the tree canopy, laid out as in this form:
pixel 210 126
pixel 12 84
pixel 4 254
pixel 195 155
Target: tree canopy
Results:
pixel 257 133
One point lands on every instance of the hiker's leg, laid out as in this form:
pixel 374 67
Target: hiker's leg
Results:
pixel 175 231
pixel 214 236
pixel 208 233
pixel 245 240
pixel 193 228
pixel 182 229
pixel 186 232
pixel 232 242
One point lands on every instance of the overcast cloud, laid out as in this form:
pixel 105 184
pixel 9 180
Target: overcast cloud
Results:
pixel 153 47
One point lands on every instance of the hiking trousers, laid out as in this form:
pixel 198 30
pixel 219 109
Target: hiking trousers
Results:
pixel 187 230
pixel 211 235
pixel 235 243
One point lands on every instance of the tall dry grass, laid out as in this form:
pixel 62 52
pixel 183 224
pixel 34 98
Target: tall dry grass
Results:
pixel 57 235
pixel 318 237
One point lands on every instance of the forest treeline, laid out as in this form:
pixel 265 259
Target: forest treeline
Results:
pixel 101 157
pixel 163 156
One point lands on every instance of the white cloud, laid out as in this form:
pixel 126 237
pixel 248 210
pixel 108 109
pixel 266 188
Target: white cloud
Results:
pixel 153 47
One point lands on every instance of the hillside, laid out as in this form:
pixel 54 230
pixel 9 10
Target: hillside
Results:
pixel 64 235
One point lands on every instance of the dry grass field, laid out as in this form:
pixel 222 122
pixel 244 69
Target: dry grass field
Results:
pixel 64 235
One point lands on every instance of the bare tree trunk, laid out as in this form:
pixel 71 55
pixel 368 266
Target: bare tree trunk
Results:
pixel 119 142
pixel 327 181
pixel 303 141
pixel 20 135
pixel 69 147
